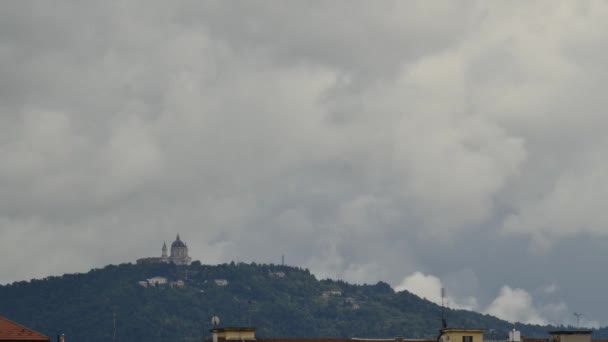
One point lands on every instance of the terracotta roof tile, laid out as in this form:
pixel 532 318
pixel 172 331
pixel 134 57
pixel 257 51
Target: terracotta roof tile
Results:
pixel 11 331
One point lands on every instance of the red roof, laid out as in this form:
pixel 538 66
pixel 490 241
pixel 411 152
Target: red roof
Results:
pixel 11 331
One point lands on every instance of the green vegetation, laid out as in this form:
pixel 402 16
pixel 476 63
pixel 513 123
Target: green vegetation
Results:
pixel 83 305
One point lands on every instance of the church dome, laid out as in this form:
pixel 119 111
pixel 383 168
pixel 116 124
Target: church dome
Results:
pixel 178 243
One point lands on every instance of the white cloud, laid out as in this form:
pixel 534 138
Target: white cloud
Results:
pixel 511 304
pixel 429 286
pixel 515 305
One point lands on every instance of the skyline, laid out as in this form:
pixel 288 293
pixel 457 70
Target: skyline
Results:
pixel 426 145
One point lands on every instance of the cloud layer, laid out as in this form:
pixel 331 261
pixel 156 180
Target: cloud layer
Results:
pixel 462 138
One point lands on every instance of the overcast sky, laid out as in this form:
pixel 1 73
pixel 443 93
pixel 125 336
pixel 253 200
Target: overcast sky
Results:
pixel 425 144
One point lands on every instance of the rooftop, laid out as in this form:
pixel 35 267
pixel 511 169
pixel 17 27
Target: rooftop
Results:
pixel 11 331
pixel 570 332
pixel 463 330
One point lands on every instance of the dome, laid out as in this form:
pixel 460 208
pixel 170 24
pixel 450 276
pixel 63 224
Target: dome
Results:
pixel 178 242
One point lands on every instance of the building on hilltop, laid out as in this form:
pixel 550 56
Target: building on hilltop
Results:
pixel 179 252
pixel 178 256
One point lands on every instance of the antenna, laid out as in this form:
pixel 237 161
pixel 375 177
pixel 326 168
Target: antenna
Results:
pixel 250 302
pixel 578 318
pixel 444 324
pixel 283 260
pixel 114 324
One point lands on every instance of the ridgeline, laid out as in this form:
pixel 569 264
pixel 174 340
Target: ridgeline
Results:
pixel 280 301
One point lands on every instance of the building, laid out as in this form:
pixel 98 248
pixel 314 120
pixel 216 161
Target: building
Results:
pixel 157 281
pixel 570 336
pixel 565 336
pixel 178 256
pixel 221 282
pixel 461 335
pixel 11 331
pixel 179 252
pixel 247 334
pixel 178 283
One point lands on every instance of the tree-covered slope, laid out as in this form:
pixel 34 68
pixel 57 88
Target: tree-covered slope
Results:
pixel 83 306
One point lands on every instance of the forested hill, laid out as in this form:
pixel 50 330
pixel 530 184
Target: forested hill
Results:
pixel 280 301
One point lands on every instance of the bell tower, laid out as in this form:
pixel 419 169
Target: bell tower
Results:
pixel 164 255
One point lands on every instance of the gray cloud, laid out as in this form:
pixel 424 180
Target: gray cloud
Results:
pixel 366 141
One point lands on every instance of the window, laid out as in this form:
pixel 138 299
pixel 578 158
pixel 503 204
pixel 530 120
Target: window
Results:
pixel 467 338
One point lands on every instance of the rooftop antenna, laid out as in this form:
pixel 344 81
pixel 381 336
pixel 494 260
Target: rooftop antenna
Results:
pixel 444 324
pixel 215 321
pixel 283 260
pixel 578 319
pixel 250 302
pixel 114 324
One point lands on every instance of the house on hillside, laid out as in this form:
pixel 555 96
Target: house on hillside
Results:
pixel 278 274
pixel 332 293
pixel 179 283
pixel 11 331
pixel 157 281
pixel 221 282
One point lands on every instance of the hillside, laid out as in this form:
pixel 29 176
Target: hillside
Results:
pixel 83 305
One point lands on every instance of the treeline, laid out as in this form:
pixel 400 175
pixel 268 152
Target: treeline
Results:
pixel 280 301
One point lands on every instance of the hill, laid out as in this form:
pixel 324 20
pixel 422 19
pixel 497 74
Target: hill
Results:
pixel 277 300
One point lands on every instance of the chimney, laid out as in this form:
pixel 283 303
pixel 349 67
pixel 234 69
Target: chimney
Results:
pixel 60 338
pixel 399 338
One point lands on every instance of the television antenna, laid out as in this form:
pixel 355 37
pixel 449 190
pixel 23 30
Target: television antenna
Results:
pixel 250 304
pixel 578 319
pixel 114 325
pixel 444 324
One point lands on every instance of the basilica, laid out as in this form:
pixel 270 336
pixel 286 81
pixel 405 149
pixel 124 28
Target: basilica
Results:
pixel 178 256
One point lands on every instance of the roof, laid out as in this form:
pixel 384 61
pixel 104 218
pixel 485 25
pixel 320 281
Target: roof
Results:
pixel 11 331
pixel 335 339
pixel 534 339
pixel 461 330
pixel 304 339
pixel 570 332
pixel 178 242
pixel 232 329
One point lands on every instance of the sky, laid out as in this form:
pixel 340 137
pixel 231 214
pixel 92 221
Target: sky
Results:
pixel 457 144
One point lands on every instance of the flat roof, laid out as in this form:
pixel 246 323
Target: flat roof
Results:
pixel 459 329
pixel 570 332
pixel 232 329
